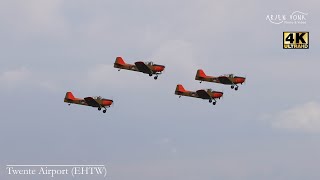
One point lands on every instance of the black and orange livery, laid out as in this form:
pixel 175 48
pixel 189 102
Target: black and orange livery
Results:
pixel 144 67
pixel 97 102
pixel 228 79
pixel 202 94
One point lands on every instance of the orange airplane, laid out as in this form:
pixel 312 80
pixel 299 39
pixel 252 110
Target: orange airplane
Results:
pixel 97 102
pixel 229 79
pixel 203 94
pixel 144 67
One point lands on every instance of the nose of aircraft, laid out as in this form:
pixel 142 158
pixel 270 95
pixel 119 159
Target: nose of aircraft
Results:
pixel 240 80
pixel 217 94
pixel 159 68
pixel 107 102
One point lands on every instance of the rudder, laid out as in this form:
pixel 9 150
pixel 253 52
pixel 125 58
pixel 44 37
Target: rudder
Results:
pixel 120 61
pixel 200 73
pixel 180 88
pixel 69 96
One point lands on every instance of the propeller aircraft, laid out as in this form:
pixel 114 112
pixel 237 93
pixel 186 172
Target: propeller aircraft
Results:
pixel 97 102
pixel 202 93
pixel 144 67
pixel 228 79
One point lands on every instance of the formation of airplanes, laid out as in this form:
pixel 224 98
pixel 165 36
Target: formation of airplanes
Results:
pixel 156 69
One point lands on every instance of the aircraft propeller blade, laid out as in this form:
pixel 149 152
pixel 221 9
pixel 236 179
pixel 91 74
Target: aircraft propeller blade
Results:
pixel 112 105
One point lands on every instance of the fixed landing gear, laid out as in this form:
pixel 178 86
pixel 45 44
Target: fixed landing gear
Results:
pixel 104 111
pixel 156 75
pixel 180 96
pixel 69 104
pixel 200 82
pixel 118 69
pixel 213 101
pixel 235 87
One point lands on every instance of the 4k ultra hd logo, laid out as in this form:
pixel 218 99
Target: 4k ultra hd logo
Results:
pixel 295 40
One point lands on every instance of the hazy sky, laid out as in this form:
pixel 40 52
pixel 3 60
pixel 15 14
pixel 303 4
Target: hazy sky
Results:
pixel 268 129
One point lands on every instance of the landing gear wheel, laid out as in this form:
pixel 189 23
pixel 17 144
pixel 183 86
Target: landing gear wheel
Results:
pixel 236 88
pixel 210 100
pixel 104 111
pixel 150 74
pixel 156 77
pixel 99 108
pixel 232 87
pixel 214 103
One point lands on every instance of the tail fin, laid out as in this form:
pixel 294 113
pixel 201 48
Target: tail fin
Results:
pixel 69 96
pixel 200 73
pixel 120 61
pixel 180 88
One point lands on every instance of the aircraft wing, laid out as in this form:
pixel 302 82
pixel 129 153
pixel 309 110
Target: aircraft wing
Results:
pixel 142 67
pixel 91 102
pixel 225 80
pixel 203 94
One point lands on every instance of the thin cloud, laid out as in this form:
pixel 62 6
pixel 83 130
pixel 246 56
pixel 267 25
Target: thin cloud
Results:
pixel 305 118
pixel 12 78
pixel 23 77
pixel 39 17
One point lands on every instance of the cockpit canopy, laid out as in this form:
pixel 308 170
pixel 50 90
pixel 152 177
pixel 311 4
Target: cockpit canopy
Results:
pixel 229 75
pixel 97 97
pixel 149 63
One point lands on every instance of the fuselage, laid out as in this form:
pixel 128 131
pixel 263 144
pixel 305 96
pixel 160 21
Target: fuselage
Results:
pixel 155 68
pixel 212 94
pixel 220 79
pixel 102 102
